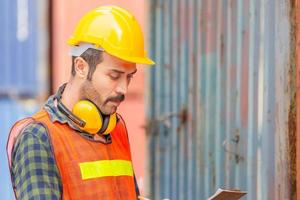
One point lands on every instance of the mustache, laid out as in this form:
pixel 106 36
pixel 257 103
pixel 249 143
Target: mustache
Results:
pixel 118 98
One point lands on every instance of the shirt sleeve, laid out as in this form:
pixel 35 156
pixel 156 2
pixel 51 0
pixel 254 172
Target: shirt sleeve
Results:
pixel 34 171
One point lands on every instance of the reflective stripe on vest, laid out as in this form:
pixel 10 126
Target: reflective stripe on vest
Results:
pixel 103 168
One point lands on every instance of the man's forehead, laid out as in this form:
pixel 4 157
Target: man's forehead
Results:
pixel 122 70
pixel 115 63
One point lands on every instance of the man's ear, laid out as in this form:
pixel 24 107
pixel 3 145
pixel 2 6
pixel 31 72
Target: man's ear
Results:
pixel 81 67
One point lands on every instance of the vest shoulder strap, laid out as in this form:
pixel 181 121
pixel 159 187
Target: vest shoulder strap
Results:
pixel 18 128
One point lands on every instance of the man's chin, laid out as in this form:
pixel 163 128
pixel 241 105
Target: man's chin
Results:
pixel 109 110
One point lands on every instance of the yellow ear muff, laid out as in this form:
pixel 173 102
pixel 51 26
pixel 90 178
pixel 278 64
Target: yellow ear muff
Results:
pixel 88 112
pixel 94 122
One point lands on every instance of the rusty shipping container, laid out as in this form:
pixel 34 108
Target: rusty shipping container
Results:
pixel 296 17
pixel 220 106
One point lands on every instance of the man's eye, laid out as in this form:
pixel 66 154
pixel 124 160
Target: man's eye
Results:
pixel 114 76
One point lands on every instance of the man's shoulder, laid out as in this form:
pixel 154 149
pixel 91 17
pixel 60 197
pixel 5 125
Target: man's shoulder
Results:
pixel 35 127
pixel 35 131
pixel 33 138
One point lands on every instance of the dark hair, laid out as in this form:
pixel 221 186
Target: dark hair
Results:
pixel 93 57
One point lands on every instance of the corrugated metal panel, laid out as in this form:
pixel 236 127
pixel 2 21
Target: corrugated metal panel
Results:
pixel 11 111
pixel 219 98
pixel 23 60
pixel 297 115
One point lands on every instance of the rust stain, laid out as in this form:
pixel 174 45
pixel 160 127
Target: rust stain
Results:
pixel 295 4
pixel 292 147
pixel 292 117
pixel 245 78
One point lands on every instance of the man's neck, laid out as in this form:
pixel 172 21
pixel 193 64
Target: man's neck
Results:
pixel 70 95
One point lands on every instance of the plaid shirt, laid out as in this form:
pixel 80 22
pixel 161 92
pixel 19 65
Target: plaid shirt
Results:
pixel 34 171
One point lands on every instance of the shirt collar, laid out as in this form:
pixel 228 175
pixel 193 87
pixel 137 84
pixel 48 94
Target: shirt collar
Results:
pixel 55 114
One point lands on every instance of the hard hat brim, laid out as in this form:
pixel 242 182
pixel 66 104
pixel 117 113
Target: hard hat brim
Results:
pixel 138 60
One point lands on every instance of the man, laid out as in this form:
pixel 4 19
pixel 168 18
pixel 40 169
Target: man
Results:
pixel 77 147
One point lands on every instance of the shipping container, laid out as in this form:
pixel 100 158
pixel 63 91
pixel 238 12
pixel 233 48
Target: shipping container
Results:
pixel 24 69
pixel 11 111
pixel 24 48
pixel 296 14
pixel 221 99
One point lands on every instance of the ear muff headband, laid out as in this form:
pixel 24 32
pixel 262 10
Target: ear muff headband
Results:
pixel 62 108
pixel 70 115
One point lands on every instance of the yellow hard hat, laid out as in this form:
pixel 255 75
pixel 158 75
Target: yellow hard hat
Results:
pixel 114 30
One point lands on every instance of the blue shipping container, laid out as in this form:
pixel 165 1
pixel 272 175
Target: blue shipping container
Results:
pixel 24 45
pixel 11 111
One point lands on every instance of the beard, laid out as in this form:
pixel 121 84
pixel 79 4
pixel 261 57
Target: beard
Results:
pixel 89 92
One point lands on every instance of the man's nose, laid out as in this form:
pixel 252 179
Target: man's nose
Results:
pixel 122 87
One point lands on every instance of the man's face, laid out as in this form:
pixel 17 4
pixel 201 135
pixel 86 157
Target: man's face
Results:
pixel 109 83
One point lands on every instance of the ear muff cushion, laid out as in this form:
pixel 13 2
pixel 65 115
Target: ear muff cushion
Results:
pixel 111 124
pixel 104 124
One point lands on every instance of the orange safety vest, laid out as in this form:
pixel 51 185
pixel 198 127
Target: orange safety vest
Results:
pixel 88 169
